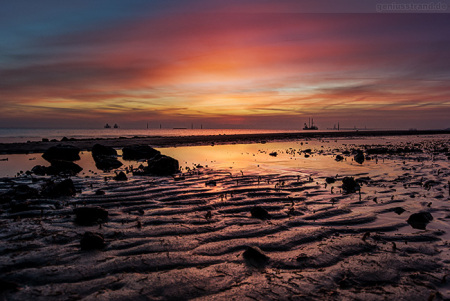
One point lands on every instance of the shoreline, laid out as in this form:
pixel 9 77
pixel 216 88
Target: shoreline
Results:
pixel 174 141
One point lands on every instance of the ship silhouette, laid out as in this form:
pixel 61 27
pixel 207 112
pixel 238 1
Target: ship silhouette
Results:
pixel 310 125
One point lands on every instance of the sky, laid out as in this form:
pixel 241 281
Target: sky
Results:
pixel 224 64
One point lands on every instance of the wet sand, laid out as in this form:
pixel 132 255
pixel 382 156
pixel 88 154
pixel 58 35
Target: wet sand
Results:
pixel 172 238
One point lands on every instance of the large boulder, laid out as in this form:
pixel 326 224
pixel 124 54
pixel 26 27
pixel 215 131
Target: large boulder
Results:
pixel 90 215
pixel 138 152
pixel 62 152
pixel 59 189
pixel 105 157
pixel 107 163
pixel 57 167
pixel 163 166
pixel 102 150
pixel 63 167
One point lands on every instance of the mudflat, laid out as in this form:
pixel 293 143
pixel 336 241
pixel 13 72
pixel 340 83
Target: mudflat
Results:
pixel 223 234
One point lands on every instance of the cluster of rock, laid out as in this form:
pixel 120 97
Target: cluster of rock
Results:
pixel 61 159
pixel 157 164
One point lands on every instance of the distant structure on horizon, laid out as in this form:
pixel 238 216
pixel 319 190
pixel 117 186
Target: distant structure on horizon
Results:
pixel 116 126
pixel 310 125
pixel 107 126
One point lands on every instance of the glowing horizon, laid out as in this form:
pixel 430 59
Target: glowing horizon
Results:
pixel 248 64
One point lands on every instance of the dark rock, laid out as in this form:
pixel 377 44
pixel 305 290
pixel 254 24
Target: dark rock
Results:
pixel 63 167
pixel 255 257
pixel 107 163
pixel 430 183
pixel 273 154
pixel 138 152
pixel 19 206
pixel 39 170
pixel 349 185
pixel 339 158
pixel 105 157
pixel 92 241
pixel 100 192
pixel 346 152
pixel 121 176
pixel 62 152
pixel 90 215
pixel 330 180
pixel 102 150
pixel 59 189
pixel 163 166
pixel 398 210
pixel 211 183
pixel 64 139
pixel 7 285
pixel 307 150
pixel 420 220
pixel 24 192
pixel 359 157
pixel 259 212
pixel 5 198
pixel 57 167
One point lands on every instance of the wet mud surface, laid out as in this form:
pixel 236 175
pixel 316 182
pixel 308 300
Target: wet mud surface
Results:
pixel 199 236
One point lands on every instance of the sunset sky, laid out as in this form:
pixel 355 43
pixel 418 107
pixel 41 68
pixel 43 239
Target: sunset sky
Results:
pixel 223 64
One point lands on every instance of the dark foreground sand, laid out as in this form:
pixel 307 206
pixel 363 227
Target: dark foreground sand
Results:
pixel 179 238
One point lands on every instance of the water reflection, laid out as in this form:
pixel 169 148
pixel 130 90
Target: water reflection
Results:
pixel 251 158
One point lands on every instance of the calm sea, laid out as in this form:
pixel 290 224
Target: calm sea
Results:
pixel 24 135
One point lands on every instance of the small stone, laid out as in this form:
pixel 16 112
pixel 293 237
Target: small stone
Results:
pixel 330 180
pixel 121 176
pixel 398 210
pixel 92 241
pixel 339 158
pixel 100 192
pixel 255 256
pixel 420 220
pixel 91 215
pixel 349 185
pixel 359 157
pixel 259 212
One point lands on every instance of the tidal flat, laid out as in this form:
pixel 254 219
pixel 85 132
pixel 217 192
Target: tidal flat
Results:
pixel 363 218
